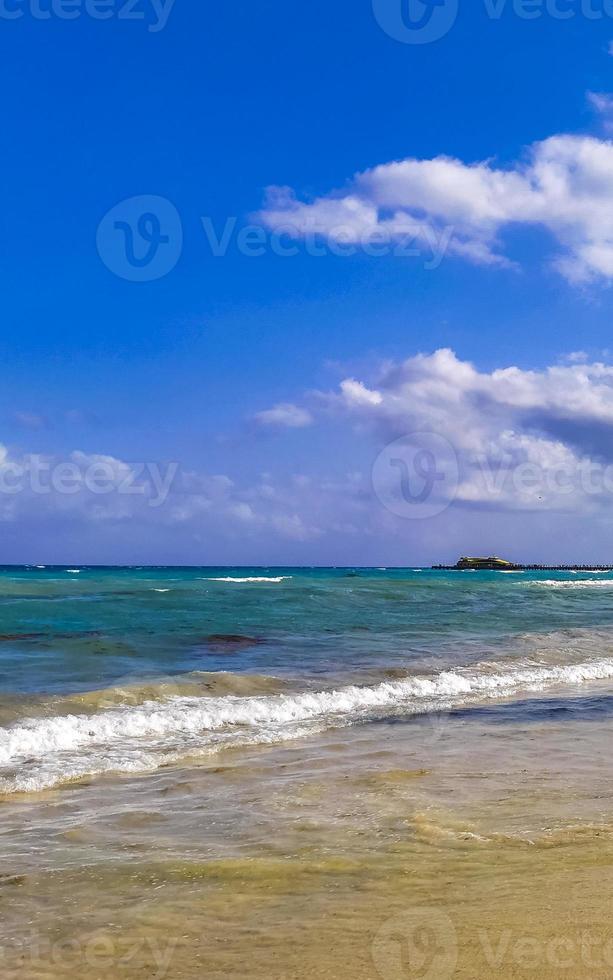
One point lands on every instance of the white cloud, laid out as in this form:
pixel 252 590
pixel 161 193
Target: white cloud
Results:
pixel 93 489
pixel 526 442
pixel 284 415
pixel 577 357
pixel 559 420
pixel 357 393
pixel 602 103
pixel 30 420
pixel 563 184
pixel 292 526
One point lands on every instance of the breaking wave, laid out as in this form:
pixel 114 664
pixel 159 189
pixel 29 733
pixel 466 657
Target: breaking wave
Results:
pixel 37 753
pixel 591 583
pixel 251 578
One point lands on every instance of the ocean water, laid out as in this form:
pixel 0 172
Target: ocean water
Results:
pixel 266 751
pixel 125 669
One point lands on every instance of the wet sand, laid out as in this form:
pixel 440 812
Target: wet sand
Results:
pixel 471 844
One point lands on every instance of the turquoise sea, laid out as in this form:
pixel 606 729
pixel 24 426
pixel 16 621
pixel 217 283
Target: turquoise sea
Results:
pixel 105 669
pixel 257 771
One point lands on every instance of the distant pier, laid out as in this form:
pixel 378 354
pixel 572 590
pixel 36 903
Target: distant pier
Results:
pixel 525 568
pixel 495 564
pixel 528 568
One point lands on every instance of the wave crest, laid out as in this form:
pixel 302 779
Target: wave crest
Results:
pixel 250 578
pixel 591 583
pixel 37 753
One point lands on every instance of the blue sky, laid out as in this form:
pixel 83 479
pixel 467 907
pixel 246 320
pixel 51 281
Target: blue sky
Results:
pixel 225 101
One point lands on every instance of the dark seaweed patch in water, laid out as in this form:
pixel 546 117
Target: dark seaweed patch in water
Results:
pixel 19 637
pixel 231 642
pixel 12 637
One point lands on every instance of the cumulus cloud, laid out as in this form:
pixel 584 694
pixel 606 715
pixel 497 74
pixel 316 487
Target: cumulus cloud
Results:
pixel 285 415
pixel 94 489
pixel 85 486
pixel 356 393
pixel 521 436
pixel 563 184
pixel 532 447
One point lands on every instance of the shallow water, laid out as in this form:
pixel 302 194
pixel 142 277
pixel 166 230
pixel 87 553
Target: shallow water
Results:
pixel 318 773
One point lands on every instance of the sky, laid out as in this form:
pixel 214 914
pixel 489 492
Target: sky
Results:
pixel 299 284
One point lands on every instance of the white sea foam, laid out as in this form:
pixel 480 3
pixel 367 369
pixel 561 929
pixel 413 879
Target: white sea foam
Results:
pixel 590 583
pixel 252 578
pixel 590 571
pixel 74 571
pixel 161 590
pixel 41 752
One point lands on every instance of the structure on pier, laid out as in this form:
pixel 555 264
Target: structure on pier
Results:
pixel 485 564
pixel 493 564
